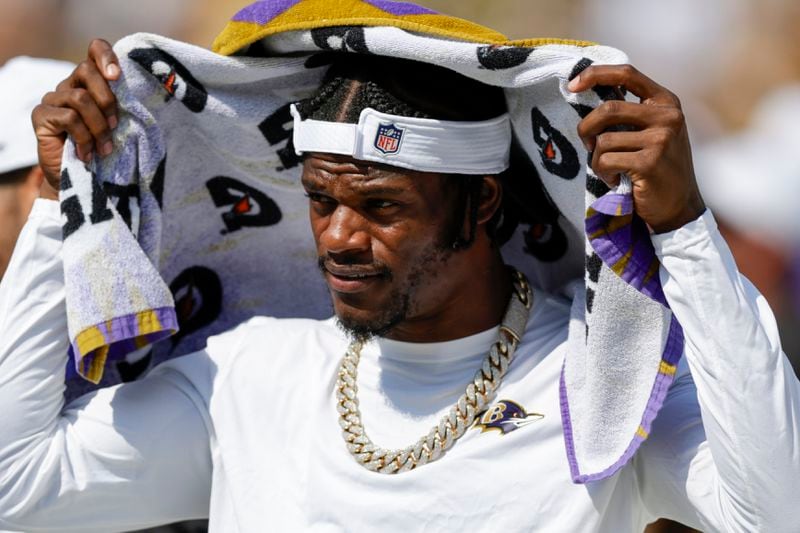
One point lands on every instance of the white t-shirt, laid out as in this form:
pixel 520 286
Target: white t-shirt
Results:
pixel 246 432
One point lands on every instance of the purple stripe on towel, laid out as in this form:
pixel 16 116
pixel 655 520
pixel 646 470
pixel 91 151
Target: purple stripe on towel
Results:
pixel 264 11
pixel 672 354
pixel 401 8
pixel 639 272
pixel 630 242
pixel 125 329
pixel 614 204
pixel 122 334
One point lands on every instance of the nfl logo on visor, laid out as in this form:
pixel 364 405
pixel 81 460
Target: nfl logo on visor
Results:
pixel 388 139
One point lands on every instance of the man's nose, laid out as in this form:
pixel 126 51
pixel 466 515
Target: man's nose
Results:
pixel 346 232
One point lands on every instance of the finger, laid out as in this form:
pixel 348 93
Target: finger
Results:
pixel 51 124
pixel 625 141
pixel 621 141
pixel 620 76
pixel 80 101
pixel 67 83
pixel 615 114
pixel 610 165
pixel 87 76
pixel 102 54
pixel 102 94
pixel 51 121
pixel 612 181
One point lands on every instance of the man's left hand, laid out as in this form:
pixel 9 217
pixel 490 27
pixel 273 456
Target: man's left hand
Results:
pixel 647 141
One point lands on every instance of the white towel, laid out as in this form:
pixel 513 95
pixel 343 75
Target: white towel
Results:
pixel 198 219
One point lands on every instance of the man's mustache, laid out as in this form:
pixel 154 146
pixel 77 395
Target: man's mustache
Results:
pixel 351 267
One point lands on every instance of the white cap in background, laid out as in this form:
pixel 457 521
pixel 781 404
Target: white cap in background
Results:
pixel 752 179
pixel 23 82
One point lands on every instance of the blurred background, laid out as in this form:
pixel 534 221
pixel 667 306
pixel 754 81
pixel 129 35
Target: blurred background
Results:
pixel 734 63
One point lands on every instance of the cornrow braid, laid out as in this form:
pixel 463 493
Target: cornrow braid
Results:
pixel 309 106
pixel 378 99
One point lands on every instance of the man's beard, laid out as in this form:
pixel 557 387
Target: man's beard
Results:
pixel 400 300
pixel 377 326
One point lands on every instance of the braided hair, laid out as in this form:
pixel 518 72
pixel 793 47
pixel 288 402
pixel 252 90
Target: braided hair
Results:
pixel 410 89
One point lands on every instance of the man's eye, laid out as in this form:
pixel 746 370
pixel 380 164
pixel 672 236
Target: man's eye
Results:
pixel 381 204
pixel 319 198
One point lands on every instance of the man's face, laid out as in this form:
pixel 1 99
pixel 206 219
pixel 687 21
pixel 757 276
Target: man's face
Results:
pixel 18 190
pixel 380 240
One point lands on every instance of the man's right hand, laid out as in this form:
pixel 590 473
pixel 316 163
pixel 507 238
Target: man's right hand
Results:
pixel 83 107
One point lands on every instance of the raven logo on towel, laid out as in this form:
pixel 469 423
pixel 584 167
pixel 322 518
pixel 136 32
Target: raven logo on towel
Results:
pixel 198 300
pixel 495 57
pixel 558 155
pixel 505 416
pixel 248 206
pixel 340 39
pixel 174 77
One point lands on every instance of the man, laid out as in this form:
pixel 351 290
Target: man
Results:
pixel 23 82
pixel 253 438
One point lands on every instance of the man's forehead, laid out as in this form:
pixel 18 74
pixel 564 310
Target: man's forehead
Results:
pixel 319 167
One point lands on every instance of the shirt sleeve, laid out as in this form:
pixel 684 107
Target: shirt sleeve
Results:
pixel 126 457
pixel 724 453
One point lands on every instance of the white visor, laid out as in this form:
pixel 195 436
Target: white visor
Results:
pixel 423 144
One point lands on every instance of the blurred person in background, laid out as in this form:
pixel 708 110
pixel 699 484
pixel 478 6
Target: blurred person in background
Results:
pixel 20 18
pixel 23 82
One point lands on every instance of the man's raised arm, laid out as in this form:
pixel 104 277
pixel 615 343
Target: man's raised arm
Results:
pixel 123 458
pixel 733 463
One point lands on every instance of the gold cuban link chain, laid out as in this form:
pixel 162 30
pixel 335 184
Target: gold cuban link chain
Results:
pixel 478 395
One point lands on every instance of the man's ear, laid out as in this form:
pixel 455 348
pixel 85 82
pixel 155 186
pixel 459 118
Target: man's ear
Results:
pixel 490 199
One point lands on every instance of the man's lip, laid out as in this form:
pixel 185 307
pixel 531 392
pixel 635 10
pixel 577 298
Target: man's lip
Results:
pixel 350 280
